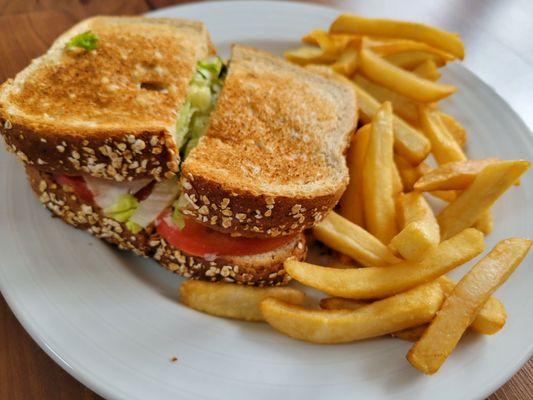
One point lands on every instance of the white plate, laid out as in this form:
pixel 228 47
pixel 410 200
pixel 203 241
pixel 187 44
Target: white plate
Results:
pixel 113 320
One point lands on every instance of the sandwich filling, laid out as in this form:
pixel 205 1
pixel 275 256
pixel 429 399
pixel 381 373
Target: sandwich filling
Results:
pixel 141 203
pixel 204 89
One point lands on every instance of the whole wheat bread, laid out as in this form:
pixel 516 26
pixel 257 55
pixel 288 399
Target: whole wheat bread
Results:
pixel 109 112
pixel 272 159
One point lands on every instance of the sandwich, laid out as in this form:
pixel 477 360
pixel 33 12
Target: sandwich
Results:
pixel 213 170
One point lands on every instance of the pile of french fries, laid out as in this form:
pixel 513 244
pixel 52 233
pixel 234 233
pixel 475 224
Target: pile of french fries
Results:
pixel 399 249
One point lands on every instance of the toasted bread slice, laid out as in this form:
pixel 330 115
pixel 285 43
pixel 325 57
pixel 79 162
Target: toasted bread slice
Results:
pixel 263 269
pixel 108 112
pixel 271 160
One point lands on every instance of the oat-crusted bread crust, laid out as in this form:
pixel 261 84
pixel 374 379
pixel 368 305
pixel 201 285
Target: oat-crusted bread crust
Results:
pixel 109 112
pixel 264 269
pixel 272 160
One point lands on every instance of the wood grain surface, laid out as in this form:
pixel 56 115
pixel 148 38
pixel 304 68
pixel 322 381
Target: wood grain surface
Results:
pixel 26 30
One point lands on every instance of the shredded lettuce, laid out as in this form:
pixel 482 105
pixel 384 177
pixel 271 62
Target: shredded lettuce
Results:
pixel 162 195
pixel 123 209
pixel 178 219
pixel 204 89
pixel 86 40
pixel 177 215
pixel 134 227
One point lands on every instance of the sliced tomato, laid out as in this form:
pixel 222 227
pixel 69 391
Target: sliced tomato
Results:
pixel 198 240
pixel 78 185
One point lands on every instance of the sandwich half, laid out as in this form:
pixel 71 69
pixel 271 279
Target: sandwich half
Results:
pixel 104 100
pixel 269 164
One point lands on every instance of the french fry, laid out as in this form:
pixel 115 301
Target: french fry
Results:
pixel 455 128
pixel 408 141
pixel 395 46
pixel 486 188
pixel 233 301
pixel 339 40
pixel 443 145
pixel 411 334
pixel 350 239
pixel 445 195
pixel 461 307
pixel 490 318
pixel 485 223
pixel 397 185
pixel 456 175
pixel 409 173
pixel 326 42
pixel 378 190
pixel 351 203
pixel 402 106
pixel 309 55
pixel 427 69
pixel 409 60
pixel 447 41
pixel 338 303
pixel 401 81
pixel 379 282
pixel 414 307
pixel 347 63
pixel 420 231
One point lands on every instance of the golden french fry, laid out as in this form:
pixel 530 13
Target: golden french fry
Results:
pixel 338 303
pixel 411 334
pixel 414 307
pixel 443 145
pixel 485 223
pixel 427 69
pixel 446 41
pixel 309 55
pixel 233 301
pixel 413 207
pixel 397 185
pixel 325 42
pixel 395 46
pixel 456 175
pixel 490 318
pixel 350 239
pixel 378 190
pixel 445 195
pixel 339 40
pixel 402 106
pixel 420 231
pixel 379 282
pixel 409 60
pixel 409 173
pixel 408 141
pixel 401 81
pixel 347 63
pixel 486 188
pixel 351 203
pixel 461 307
pixel 454 127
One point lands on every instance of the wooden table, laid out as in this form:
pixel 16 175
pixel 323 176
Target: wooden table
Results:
pixel 26 29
